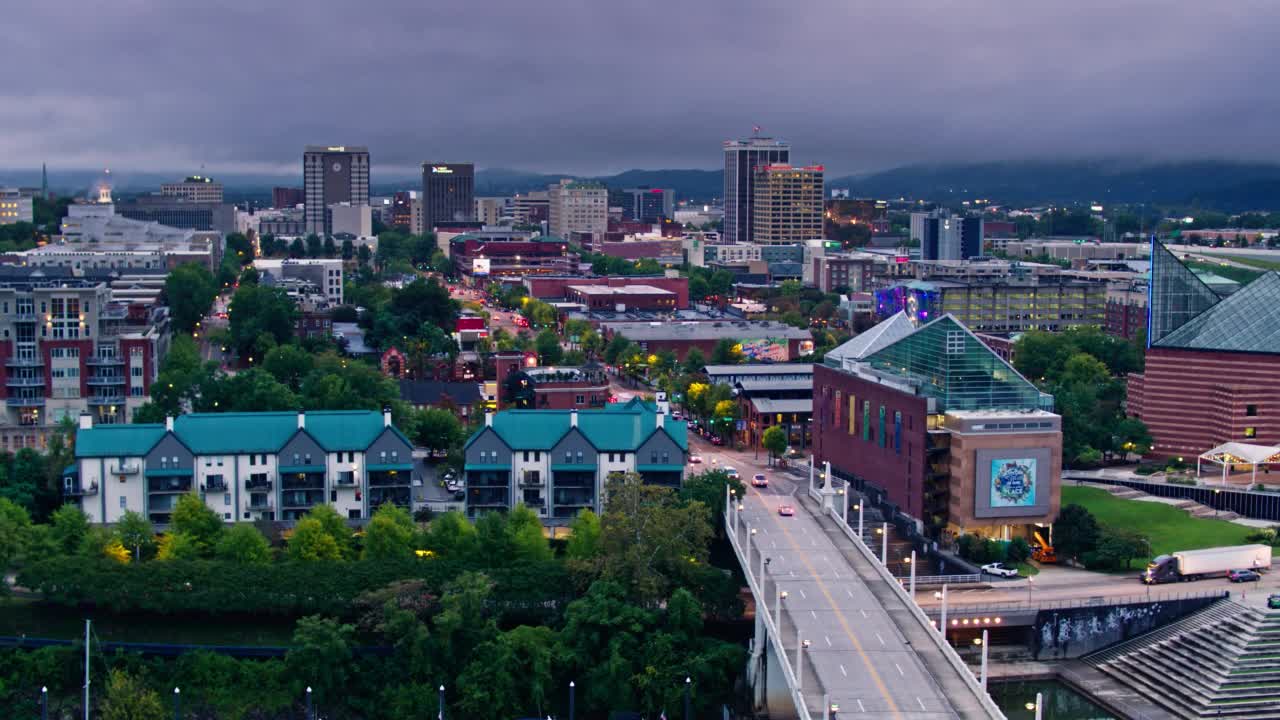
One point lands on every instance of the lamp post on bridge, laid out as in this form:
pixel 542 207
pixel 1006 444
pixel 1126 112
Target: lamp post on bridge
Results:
pixel 858 507
pixel 884 545
pixel 912 562
pixel 943 597
pixel 982 678
pixel 800 648
pixel 778 596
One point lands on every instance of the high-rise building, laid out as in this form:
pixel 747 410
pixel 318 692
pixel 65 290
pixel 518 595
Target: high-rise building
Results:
pixel 531 208
pixel 786 206
pixel 491 210
pixel 448 193
pixel 943 236
pixel 578 207
pixel 652 205
pixel 333 174
pixel 741 158
pixel 287 197
pixel 195 188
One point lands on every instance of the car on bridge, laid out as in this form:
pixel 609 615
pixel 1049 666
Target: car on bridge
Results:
pixel 786 510
pixel 759 480
pixel 1000 570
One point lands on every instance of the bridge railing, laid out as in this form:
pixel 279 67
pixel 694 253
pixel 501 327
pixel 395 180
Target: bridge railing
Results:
pixel 942 579
pixel 764 614
pixel 955 609
pixel 953 658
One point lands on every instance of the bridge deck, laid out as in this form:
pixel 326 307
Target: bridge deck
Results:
pixel 867 651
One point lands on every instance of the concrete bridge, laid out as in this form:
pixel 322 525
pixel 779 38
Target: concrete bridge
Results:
pixel 836 635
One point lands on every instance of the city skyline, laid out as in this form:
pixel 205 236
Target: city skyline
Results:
pixel 852 90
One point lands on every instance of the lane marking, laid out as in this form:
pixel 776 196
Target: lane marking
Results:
pixel 849 592
pixel 844 623
pixel 880 638
pixel 828 639
pixel 814 614
pixel 864 612
pixel 899 669
pixel 842 672
pixel 860 706
pixel 806 597
pixel 922 707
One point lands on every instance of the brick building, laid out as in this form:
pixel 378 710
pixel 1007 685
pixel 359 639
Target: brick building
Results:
pixel 758 341
pixel 551 287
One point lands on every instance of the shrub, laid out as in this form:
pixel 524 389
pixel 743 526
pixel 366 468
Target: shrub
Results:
pixel 1178 480
pixel 1018 550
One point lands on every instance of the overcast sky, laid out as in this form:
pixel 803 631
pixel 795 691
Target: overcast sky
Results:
pixel 600 86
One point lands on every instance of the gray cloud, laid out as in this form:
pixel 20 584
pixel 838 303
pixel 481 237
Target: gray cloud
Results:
pixel 581 86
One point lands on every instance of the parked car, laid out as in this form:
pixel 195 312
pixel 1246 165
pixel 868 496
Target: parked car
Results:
pixel 732 473
pixel 1273 601
pixel 759 480
pixel 695 459
pixel 786 510
pixel 715 440
pixel 1237 576
pixel 1000 570
pixel 460 494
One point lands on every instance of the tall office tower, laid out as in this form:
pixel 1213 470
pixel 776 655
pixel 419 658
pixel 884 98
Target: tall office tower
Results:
pixel 646 204
pixel 490 210
pixel 943 236
pixel 332 175
pixel 578 207
pixel 786 206
pixel 741 157
pixel 448 193
pixel 195 188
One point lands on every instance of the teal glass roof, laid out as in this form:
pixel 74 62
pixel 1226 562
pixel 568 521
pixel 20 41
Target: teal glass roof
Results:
pixel 944 361
pixel 1246 321
pixel 1177 294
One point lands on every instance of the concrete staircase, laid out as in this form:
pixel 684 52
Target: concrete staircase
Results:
pixel 1223 661
pixel 1193 508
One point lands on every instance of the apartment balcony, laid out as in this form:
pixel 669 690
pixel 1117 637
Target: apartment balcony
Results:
pixel 346 478
pixel 169 481
pixel 262 483
pixel 301 499
pixel 395 495
pixel 213 486
pixel 24 316
pixel 16 361
pixel 106 399
pixel 78 490
pixel 12 381
pixel 532 480
pixel 124 468
pixel 259 502
pixel 33 401
pixel 104 380
pixel 575 497
pixel 302 480
pixel 104 361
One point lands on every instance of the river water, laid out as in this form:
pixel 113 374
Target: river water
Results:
pixel 1060 701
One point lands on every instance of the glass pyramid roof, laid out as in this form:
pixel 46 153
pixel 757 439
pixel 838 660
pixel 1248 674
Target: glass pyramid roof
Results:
pixel 945 361
pixel 1245 321
pixel 1177 294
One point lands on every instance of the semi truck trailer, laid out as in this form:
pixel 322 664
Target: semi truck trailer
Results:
pixel 1209 562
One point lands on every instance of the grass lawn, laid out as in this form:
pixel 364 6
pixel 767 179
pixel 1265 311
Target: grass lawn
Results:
pixel 1244 276
pixel 20 616
pixel 1027 569
pixel 1168 528
pixel 1260 263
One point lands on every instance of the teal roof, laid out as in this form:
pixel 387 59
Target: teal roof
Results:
pixel 624 427
pixel 237 433
pixel 118 440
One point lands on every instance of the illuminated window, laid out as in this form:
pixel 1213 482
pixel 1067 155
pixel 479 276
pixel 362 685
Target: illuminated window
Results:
pixel 1250 432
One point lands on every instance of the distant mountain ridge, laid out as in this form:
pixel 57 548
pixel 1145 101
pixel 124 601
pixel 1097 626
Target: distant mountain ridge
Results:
pixel 1224 186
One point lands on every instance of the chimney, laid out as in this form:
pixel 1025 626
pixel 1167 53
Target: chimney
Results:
pixel 86 421
pixel 661 419
pixel 168 423
pixel 386 417
pixel 302 419
pixel 488 419
pixel 573 418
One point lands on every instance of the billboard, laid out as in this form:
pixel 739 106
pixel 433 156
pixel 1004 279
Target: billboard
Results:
pixel 764 350
pixel 480 267
pixel 1013 482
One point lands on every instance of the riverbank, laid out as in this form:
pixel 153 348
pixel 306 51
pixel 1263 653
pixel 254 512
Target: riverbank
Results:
pixel 1085 680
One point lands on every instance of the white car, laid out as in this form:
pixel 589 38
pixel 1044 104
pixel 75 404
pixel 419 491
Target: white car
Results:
pixel 1000 570
pixel 731 472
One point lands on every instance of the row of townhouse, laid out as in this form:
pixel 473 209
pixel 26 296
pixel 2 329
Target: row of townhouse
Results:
pixel 246 466
pixel 556 462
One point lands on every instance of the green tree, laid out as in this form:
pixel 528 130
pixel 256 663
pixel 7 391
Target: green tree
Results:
pixel 311 543
pixel 260 318
pixel 389 534
pixel 650 539
pixel 774 440
pixel 321 656
pixel 335 525
pixel 243 543
pixel 330 248
pixel 177 546
pixel 528 543
pixel 191 516
pixel 452 535
pixel 585 537
pixel 1075 532
pixel 348 250
pixel 547 343
pixel 694 361
pixel 437 429
pixel 15 537
pixel 189 290
pixel 1118 547
pixel 70 526
pixel 289 364
pixel 238 246
pixel 314 246
pixel 708 488
pixel 128 698
pixel 726 352
pixel 136 534
pixel 253 390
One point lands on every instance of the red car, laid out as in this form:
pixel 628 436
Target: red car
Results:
pixel 786 510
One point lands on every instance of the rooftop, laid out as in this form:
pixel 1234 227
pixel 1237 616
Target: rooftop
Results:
pixel 759 369
pixel 797 405
pixel 619 290
pixel 733 330
pixel 617 427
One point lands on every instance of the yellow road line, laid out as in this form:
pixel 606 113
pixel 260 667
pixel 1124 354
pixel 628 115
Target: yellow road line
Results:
pixel 844 624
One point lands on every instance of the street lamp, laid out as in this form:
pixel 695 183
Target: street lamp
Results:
pixel 177 704
pixel 884 545
pixel 570 700
pixel 1037 705
pixel 982 678
pixel 440 703
pixel 858 507
pixel 911 561
pixel 310 714
pixel 688 682
pixel 943 597
pixel 44 703
pixel 804 645
pixel 1031 582
pixel 779 596
pixel 1216 493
